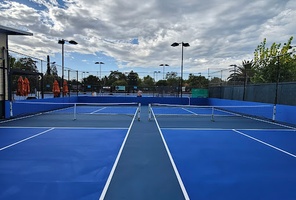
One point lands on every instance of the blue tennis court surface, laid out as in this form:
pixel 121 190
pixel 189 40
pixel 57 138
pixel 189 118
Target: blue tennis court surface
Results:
pixel 224 164
pixel 56 163
pixel 196 153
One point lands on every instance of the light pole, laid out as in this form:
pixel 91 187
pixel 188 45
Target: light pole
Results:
pixel 83 73
pixel 183 45
pixel 101 63
pixel 62 42
pixel 82 81
pixel 77 82
pixel 156 72
pixel 163 65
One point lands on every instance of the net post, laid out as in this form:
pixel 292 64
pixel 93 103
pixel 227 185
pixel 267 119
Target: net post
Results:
pixel 149 111
pixel 274 112
pixel 139 111
pixel 212 116
pixel 74 111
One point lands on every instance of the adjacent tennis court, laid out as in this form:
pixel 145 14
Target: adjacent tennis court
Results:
pixel 160 151
pixel 234 156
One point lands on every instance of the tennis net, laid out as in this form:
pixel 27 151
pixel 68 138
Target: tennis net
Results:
pixel 173 110
pixel 74 109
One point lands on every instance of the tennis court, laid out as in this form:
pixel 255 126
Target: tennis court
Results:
pixel 52 156
pixel 221 154
pixel 129 151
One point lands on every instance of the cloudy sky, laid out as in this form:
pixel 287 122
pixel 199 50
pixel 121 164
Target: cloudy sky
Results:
pixel 137 34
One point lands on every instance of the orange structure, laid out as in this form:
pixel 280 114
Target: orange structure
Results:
pixel 20 86
pixel 26 87
pixel 56 89
pixel 65 88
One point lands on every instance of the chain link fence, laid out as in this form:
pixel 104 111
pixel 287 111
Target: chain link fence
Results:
pixel 265 93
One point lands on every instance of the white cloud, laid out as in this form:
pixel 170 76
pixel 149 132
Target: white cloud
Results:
pixel 220 33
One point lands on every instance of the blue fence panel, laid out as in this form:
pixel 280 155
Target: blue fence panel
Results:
pixel 26 107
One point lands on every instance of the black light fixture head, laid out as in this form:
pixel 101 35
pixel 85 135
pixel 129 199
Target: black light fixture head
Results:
pixel 175 44
pixel 185 44
pixel 73 42
pixel 61 41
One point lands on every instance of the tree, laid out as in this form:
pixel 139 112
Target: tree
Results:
pixel 242 73
pixel 25 64
pixel 116 76
pixel 91 83
pixel 28 64
pixel 271 64
pixel 161 83
pixel 197 81
pixel 53 70
pixel 216 81
pixel 132 79
pixel 147 81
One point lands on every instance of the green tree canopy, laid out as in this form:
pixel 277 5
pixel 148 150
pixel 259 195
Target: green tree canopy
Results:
pixel 242 73
pixel 197 81
pixel 147 81
pixel 273 63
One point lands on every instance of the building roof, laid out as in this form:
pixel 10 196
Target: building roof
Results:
pixel 12 31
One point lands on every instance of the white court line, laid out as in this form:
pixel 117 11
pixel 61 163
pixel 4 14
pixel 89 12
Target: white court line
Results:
pixel 265 143
pixel 76 128
pixel 103 194
pixel 14 119
pixel 190 111
pixel 172 161
pixel 26 139
pixel 98 110
pixel 230 129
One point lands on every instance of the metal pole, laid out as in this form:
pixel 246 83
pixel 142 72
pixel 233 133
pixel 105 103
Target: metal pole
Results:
pixel 277 80
pixel 245 83
pixel 163 72
pixel 181 81
pixel 62 84
pixel 69 88
pixel 276 87
pixel 77 83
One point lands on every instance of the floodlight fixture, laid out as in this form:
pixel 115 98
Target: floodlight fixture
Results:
pixel 175 44
pixel 62 42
